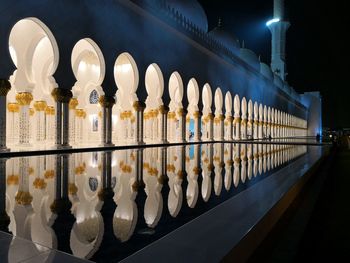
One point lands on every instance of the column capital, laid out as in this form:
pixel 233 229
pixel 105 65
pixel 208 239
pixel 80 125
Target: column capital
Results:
pixel 62 95
pixel 106 101
pixel 40 105
pixel 73 103
pixel 5 87
pixel 24 98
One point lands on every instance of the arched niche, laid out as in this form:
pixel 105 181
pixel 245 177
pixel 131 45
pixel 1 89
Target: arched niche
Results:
pixel 250 109
pixel 228 103
pixel 193 93
pixel 154 86
pixel 218 101
pixel 126 76
pixel 237 105
pixel 31 41
pixel 261 112
pixel 207 99
pixel 244 108
pixel 88 67
pixel 176 91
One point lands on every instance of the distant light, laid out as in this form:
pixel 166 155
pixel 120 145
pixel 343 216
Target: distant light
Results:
pixel 330 136
pixel 274 20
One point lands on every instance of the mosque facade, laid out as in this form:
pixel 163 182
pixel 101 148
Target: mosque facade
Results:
pixel 79 73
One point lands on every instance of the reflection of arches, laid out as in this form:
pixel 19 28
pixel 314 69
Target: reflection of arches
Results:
pixel 219 117
pixel 34 52
pixel 88 66
pixel 228 114
pixel 192 131
pixel 175 116
pixel 207 119
pixel 126 76
pixel 192 169
pixel 153 117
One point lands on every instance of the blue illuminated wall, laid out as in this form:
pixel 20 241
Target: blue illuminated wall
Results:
pixel 121 25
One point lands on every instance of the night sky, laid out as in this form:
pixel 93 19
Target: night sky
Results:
pixel 317 54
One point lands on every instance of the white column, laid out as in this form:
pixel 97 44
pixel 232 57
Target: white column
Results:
pixel 228 128
pixel 72 120
pixel 24 99
pixel 40 107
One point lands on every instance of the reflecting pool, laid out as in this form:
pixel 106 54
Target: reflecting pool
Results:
pixel 105 206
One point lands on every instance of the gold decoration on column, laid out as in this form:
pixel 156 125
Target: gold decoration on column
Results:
pixel 24 98
pixel 23 198
pixel 12 179
pixel 40 105
pixel 13 107
pixel 39 183
pixel 73 103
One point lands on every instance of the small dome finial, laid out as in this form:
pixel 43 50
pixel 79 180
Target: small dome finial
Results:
pixel 220 22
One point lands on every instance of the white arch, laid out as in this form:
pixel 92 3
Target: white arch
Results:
pixel 88 67
pixel 193 93
pixel 237 105
pixel 25 37
pixel 228 104
pixel 218 100
pixel 126 76
pixel 154 82
pixel 176 90
pixel 207 99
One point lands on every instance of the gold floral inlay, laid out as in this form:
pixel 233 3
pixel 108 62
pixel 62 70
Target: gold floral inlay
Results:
pixel 24 98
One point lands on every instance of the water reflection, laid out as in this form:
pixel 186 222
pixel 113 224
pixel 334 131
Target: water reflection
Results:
pixel 88 203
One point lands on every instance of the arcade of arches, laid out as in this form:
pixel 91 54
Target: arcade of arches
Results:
pixel 38 112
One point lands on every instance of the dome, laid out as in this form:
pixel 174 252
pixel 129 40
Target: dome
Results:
pixel 278 81
pixel 265 70
pixel 250 57
pixel 225 38
pixel 192 10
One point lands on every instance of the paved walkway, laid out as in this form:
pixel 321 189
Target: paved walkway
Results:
pixel 317 227
pixel 15 250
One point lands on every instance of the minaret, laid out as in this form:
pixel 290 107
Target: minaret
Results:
pixel 278 27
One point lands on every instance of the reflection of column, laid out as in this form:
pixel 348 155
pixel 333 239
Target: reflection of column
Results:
pixel 139 107
pixel 40 107
pixel 23 197
pixel 5 87
pixel 24 99
pixel 163 123
pixel 72 120
pixel 106 103
pixel 4 218
pixel 62 206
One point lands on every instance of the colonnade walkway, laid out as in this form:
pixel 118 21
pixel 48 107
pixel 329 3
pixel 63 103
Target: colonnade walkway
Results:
pixel 316 227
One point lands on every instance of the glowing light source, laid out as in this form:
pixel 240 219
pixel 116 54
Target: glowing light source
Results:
pixel 274 20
